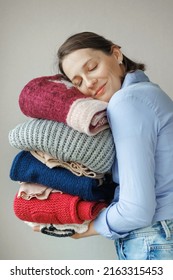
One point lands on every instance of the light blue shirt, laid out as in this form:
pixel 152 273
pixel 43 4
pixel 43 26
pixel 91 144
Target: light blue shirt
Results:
pixel 141 119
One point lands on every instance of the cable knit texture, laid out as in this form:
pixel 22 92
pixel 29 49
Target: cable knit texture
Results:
pixel 54 98
pixel 62 142
pixel 26 168
pixel 57 209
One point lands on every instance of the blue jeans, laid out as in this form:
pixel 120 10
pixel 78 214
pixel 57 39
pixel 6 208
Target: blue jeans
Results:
pixel 150 243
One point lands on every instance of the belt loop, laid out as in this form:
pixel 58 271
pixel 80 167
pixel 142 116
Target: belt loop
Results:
pixel 166 230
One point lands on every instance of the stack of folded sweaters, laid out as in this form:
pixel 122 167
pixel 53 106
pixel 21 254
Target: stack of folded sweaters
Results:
pixel 66 154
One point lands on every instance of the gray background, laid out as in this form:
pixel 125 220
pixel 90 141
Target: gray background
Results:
pixel 30 33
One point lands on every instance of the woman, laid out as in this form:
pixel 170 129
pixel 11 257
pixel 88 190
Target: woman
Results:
pixel 140 114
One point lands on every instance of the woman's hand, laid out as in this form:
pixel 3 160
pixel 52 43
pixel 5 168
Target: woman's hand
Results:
pixel 90 232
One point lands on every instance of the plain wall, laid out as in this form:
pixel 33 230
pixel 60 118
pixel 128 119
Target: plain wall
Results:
pixel 30 33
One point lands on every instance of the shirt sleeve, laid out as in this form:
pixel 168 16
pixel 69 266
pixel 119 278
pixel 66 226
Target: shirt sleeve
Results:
pixel 134 127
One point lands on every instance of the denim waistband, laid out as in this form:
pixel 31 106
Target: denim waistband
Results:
pixel 165 226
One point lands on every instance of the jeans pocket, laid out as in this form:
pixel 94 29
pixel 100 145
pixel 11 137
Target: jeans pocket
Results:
pixel 161 251
pixel 132 249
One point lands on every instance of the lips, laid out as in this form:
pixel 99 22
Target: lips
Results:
pixel 100 91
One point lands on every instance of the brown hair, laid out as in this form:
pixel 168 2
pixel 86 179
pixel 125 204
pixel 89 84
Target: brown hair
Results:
pixel 92 40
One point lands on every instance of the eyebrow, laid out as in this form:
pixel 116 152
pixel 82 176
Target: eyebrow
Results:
pixel 83 66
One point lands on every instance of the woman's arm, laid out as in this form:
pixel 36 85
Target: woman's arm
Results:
pixel 90 232
pixel 134 128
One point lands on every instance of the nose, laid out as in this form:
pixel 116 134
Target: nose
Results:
pixel 90 82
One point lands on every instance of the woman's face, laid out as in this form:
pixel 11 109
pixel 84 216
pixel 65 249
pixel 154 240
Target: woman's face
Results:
pixel 94 73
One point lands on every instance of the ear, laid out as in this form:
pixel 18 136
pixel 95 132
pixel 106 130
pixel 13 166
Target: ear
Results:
pixel 117 54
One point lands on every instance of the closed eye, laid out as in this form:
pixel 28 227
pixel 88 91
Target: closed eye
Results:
pixel 92 68
pixel 78 84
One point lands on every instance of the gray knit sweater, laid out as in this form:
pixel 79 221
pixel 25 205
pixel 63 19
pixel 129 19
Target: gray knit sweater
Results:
pixel 64 143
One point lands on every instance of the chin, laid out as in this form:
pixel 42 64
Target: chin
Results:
pixel 107 98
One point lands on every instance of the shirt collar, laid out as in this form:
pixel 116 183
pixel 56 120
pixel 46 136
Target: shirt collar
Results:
pixel 134 77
